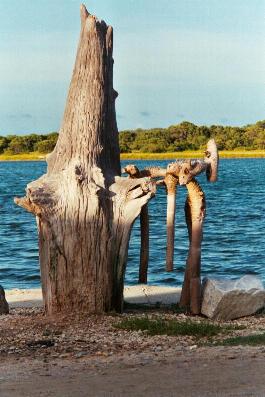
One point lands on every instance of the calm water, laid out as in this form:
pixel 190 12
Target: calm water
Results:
pixel 234 234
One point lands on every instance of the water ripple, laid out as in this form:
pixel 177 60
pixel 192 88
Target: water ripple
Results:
pixel 234 238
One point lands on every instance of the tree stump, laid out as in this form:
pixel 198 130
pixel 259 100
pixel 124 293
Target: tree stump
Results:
pixel 84 209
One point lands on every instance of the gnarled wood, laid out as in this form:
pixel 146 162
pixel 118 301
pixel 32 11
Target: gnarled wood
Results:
pixel 188 169
pixel 84 209
pixel 212 159
pixel 133 173
pixel 195 214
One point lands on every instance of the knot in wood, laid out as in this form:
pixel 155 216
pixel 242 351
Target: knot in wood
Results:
pixel 79 173
pixel 171 182
pixel 174 168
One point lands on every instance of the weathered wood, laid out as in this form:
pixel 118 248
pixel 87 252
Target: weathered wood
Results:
pixel 170 182
pixel 144 253
pixel 134 173
pixel 84 209
pixel 188 169
pixel 195 213
pixel 212 159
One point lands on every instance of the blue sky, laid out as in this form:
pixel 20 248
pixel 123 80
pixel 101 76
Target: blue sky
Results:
pixel 175 60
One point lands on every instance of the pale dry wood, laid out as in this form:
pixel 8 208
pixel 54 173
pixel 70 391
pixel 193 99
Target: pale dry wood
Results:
pixel 135 173
pixel 195 213
pixel 170 182
pixel 84 209
pixel 212 159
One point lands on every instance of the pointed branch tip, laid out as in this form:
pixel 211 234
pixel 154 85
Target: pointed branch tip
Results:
pixel 83 12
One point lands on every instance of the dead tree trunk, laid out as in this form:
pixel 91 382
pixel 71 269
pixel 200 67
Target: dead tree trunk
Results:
pixel 84 209
pixel 195 214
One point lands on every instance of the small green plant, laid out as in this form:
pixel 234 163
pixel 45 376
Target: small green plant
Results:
pixel 136 307
pixel 252 340
pixel 172 327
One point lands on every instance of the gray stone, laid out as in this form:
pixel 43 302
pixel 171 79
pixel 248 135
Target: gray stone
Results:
pixel 229 299
pixel 4 308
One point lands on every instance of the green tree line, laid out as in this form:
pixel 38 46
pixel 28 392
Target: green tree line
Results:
pixel 179 137
pixel 188 136
pixel 16 144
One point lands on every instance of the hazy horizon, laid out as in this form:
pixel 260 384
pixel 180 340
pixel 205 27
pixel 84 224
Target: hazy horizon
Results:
pixel 193 60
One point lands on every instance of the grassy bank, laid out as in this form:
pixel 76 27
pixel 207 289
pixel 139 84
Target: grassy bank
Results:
pixel 22 156
pixel 192 154
pixel 148 156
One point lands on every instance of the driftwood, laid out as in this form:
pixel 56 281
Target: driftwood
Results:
pixel 84 209
pixel 134 173
pixel 171 183
pixel 182 172
pixel 195 208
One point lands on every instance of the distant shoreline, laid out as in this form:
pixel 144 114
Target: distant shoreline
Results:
pixel 36 156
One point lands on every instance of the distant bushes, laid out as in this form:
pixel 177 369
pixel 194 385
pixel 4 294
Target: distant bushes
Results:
pixel 179 137
pixel 14 144
pixel 188 136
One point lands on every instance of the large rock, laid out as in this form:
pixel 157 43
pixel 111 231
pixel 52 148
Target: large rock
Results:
pixel 4 308
pixel 226 299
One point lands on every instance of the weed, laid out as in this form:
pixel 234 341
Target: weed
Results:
pixel 172 327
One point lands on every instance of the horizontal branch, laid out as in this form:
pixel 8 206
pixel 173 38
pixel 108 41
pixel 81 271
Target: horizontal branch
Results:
pixel 184 170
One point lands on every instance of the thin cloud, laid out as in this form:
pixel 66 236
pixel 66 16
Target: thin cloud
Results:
pixel 20 116
pixel 145 114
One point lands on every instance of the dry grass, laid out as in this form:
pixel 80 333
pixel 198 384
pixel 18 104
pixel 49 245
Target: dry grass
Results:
pixel 192 154
pixel 23 156
pixel 33 156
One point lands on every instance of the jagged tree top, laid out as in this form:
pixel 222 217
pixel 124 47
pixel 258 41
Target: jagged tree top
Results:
pixel 89 131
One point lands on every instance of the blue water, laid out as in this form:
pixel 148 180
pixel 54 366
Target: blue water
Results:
pixel 234 233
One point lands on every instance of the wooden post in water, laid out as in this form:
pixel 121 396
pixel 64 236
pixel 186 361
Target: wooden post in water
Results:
pixel 171 182
pixel 195 213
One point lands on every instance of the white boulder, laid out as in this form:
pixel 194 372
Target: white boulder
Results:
pixel 229 299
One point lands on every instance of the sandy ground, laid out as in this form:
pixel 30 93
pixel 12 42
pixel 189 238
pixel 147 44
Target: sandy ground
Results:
pixel 83 357
pixel 186 376
pixel 138 294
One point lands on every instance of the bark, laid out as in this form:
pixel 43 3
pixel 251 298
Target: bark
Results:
pixel 84 209
pixel 195 214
